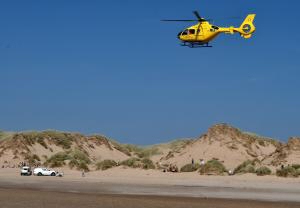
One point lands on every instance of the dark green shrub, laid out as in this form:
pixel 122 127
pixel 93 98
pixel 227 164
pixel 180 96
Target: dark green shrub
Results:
pixel 29 137
pixel 57 160
pixel 148 164
pixel 190 168
pixel 132 162
pixel 261 142
pixel 59 138
pixel 298 171
pixel 76 159
pixel 79 160
pixel 73 163
pixel 246 167
pixel 36 157
pixel 212 167
pixel 61 156
pixel 288 171
pixel 132 148
pixel 122 149
pixel 83 166
pixel 106 164
pixel 64 143
pixel 56 164
pixel 80 156
pixel 141 152
pixel 176 145
pixel 147 152
pixel 262 171
pixel 296 166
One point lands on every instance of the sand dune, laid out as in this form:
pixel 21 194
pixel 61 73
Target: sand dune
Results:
pixel 227 144
pixel 222 142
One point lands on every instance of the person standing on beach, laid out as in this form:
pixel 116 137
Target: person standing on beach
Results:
pixel 202 162
pixel 82 173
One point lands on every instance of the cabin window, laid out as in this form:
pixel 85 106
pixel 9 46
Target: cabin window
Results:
pixel 215 27
pixel 191 31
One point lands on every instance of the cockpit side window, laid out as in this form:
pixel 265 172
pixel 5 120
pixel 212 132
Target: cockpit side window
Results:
pixel 184 32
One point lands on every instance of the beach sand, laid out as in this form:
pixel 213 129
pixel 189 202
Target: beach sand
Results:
pixel 121 187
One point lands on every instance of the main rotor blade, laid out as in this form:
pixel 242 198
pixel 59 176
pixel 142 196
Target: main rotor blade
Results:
pixel 200 19
pixel 196 13
pixel 179 20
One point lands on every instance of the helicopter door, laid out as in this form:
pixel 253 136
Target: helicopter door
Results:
pixel 191 34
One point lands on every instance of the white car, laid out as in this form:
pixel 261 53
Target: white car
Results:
pixel 26 171
pixel 43 172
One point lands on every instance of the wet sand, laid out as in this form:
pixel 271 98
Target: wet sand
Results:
pixel 12 198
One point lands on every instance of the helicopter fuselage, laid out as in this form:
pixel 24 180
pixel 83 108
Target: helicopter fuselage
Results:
pixel 206 33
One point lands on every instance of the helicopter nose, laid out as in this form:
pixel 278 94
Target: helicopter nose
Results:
pixel 178 36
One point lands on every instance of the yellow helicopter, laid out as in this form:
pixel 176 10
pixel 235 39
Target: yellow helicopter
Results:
pixel 201 34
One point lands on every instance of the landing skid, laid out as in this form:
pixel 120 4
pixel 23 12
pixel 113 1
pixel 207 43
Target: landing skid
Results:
pixel 196 45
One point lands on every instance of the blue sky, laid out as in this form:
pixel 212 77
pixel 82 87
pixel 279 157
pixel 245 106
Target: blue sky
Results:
pixel 112 67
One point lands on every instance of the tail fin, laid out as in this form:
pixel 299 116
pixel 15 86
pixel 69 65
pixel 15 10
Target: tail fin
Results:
pixel 247 27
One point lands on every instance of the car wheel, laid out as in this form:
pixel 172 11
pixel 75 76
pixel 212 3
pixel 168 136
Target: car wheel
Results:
pixel 39 174
pixel 52 174
pixel 21 174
